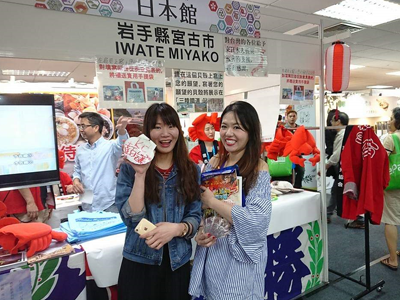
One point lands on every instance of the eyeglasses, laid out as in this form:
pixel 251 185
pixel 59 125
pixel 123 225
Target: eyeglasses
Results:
pixel 84 126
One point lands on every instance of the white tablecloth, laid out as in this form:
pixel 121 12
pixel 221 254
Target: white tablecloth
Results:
pixel 291 210
pixel 104 255
pixel 104 258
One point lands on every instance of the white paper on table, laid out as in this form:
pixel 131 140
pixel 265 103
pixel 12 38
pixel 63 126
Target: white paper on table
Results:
pixel 16 285
pixel 86 197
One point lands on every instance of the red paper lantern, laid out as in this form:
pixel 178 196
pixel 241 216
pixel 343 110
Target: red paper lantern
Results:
pixel 337 72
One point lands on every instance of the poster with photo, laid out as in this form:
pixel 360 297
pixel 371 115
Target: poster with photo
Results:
pixel 68 108
pixel 129 83
pixel 198 91
pixel 155 94
pixel 297 86
pixel 245 57
pixel 134 91
pixel 113 93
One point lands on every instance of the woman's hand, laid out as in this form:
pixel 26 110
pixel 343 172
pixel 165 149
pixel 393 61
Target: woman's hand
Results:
pixel 161 235
pixel 207 197
pixel 139 169
pixel 205 239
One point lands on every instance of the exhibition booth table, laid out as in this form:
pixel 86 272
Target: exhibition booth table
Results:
pixel 56 278
pixel 295 248
pixel 295 257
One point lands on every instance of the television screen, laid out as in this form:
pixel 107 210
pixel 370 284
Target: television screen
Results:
pixel 28 147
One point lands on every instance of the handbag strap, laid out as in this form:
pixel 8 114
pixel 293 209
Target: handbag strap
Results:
pixel 396 142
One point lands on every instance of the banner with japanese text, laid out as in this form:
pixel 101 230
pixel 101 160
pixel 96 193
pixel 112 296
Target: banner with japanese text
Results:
pixel 297 86
pixel 129 83
pixel 198 91
pixel 177 47
pixel 245 57
pixel 218 16
pixel 68 108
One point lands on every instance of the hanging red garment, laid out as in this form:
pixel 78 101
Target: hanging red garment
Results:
pixel 365 174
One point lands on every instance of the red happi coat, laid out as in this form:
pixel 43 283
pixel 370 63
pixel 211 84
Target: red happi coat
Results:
pixel 365 169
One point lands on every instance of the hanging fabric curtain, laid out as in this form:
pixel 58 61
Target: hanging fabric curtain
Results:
pixel 337 72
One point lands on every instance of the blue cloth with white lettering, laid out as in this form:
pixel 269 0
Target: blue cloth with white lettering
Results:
pixel 83 226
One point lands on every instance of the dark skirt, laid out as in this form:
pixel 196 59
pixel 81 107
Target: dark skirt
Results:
pixel 139 281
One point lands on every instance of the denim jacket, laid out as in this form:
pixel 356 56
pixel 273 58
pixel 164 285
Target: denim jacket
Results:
pixel 135 248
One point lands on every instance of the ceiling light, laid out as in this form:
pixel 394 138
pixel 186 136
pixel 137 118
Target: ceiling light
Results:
pixel 301 29
pixel 35 73
pixel 394 73
pixel 379 86
pixel 366 12
pixel 353 67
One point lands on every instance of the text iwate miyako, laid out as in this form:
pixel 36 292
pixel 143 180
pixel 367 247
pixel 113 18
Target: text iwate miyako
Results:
pixel 151 41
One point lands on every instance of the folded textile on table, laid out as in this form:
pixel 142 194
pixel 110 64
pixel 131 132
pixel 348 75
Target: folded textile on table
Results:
pixel 283 187
pixel 84 226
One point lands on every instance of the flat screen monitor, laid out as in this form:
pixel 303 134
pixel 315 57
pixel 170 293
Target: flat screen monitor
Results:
pixel 28 141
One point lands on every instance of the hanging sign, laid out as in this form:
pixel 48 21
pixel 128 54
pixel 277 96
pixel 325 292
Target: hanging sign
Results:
pixel 245 57
pixel 176 46
pixel 198 91
pixel 360 106
pixel 297 86
pixel 129 83
pixel 218 16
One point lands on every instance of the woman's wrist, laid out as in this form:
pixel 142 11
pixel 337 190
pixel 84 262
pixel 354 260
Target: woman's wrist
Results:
pixel 140 176
pixel 182 229
pixel 211 203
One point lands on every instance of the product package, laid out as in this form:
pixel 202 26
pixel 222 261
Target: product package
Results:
pixel 227 187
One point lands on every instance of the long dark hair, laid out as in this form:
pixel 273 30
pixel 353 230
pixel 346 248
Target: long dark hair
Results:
pixel 248 163
pixel 186 169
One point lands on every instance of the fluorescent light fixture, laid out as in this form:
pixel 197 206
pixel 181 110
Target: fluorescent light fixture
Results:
pixel 353 67
pixel 366 12
pixel 397 73
pixel 379 86
pixel 301 29
pixel 35 73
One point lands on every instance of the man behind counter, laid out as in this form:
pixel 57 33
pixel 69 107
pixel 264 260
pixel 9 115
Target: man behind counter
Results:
pixel 96 161
pixel 299 170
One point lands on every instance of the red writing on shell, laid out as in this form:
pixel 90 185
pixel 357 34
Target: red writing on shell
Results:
pixel 137 152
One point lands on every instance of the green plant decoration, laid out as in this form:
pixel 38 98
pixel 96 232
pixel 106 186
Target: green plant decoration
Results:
pixel 316 253
pixel 45 280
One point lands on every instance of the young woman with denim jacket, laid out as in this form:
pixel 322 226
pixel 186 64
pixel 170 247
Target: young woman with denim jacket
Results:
pixel 166 192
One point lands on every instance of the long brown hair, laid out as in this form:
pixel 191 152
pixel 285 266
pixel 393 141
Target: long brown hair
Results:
pixel 186 169
pixel 249 162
